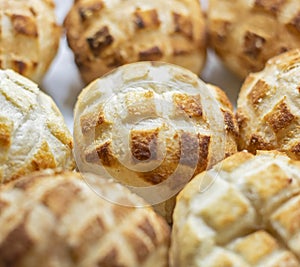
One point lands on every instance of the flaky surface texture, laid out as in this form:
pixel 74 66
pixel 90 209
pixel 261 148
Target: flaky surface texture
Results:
pixel 104 34
pixel 268 108
pixel 246 33
pixel 54 219
pixel 29 36
pixel 33 134
pixel 243 212
pixel 151 123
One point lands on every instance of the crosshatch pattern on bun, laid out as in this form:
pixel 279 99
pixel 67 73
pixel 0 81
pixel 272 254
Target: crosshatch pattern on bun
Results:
pixel 268 108
pixel 33 134
pixel 53 218
pixel 29 36
pixel 248 216
pixel 105 34
pixel 149 121
pixel 245 34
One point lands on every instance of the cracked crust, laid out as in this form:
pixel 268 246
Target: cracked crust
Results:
pixel 151 129
pixel 130 31
pixel 244 212
pixel 59 221
pixel 33 134
pixel 29 37
pixel 268 107
pixel 245 34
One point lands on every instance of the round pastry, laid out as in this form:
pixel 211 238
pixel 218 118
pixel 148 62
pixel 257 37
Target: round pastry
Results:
pixel 245 34
pixel 29 36
pixel 33 134
pixel 152 125
pixel 104 34
pixel 55 219
pixel 268 108
pixel 243 212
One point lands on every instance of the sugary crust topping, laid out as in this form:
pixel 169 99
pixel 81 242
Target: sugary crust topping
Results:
pixel 151 122
pixel 42 229
pixel 105 34
pixel 29 37
pixel 268 107
pixel 150 113
pixel 245 34
pixel 243 211
pixel 33 134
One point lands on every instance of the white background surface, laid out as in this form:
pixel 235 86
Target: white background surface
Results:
pixel 63 82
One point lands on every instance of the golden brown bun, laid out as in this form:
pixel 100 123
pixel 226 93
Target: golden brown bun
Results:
pixel 245 34
pixel 29 36
pixel 268 107
pixel 243 212
pixel 33 134
pixel 54 219
pixel 152 123
pixel 104 34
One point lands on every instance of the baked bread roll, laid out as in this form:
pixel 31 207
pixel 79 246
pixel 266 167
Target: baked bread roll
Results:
pixel 55 219
pixel 29 36
pixel 33 134
pixel 243 212
pixel 152 125
pixel 245 34
pixel 105 34
pixel 268 107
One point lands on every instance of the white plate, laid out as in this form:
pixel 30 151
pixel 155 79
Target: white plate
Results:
pixel 63 82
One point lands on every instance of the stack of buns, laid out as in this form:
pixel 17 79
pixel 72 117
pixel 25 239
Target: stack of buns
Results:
pixel 245 210
pixel 146 131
